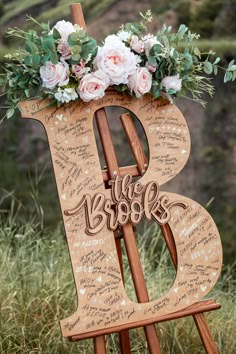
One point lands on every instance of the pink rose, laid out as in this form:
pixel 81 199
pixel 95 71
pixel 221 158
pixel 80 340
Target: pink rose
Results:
pixel 92 86
pixel 64 49
pixel 115 60
pixel 136 44
pixel 80 69
pixel 151 68
pixel 53 75
pixel 140 82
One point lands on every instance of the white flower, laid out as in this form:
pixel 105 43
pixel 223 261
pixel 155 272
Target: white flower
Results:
pixel 140 82
pixel 65 28
pixel 54 74
pixel 64 49
pixel 80 69
pixel 66 95
pixel 136 44
pixel 124 35
pixel 149 42
pixel 172 83
pixel 115 60
pixel 92 86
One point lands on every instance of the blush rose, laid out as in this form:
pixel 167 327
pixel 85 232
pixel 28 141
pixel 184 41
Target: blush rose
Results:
pixel 64 49
pixel 115 60
pixel 137 45
pixel 53 75
pixel 92 86
pixel 140 82
pixel 80 69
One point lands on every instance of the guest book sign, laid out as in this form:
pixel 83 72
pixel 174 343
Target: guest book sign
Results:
pixel 91 213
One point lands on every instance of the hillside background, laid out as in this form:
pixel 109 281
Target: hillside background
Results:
pixel 209 176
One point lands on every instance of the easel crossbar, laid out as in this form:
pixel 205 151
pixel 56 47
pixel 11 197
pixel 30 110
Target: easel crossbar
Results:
pixel 202 306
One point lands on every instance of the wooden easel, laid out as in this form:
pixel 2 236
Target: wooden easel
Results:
pixel 197 310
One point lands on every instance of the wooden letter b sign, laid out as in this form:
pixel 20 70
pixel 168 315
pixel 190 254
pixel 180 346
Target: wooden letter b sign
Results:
pixel 91 213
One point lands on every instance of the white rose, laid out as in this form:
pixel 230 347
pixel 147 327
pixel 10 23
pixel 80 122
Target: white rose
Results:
pixel 136 44
pixel 124 35
pixel 65 28
pixel 92 86
pixel 115 60
pixel 53 75
pixel 64 49
pixel 149 42
pixel 172 83
pixel 80 69
pixel 66 95
pixel 140 82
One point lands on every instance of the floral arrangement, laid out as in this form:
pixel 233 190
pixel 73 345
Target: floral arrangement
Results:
pixel 64 64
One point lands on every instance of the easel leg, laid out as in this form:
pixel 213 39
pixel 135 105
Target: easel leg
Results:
pixel 99 345
pixel 139 284
pixel 123 335
pixel 205 334
pixel 128 234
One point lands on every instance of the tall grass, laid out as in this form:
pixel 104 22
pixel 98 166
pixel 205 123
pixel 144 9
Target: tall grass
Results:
pixel 37 290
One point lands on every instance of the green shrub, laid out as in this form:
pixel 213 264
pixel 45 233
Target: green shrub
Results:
pixel 203 19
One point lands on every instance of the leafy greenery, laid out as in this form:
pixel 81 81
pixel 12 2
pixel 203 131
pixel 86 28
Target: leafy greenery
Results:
pixel 37 291
pixel 204 16
pixel 22 78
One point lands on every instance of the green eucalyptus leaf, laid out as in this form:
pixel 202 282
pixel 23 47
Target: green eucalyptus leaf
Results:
pixel 227 76
pixel 157 94
pixel 157 48
pixel 56 33
pixel 76 49
pixel 46 58
pixel 73 38
pixel 28 60
pixel 217 60
pixel 152 60
pixel 10 112
pixel 82 34
pixel 215 68
pixel 89 48
pixel 231 63
pixel 31 47
pixel 182 29
pixel 54 57
pixel 232 68
pixel 36 59
pixel 208 67
pixel 27 93
pixel 171 91
pixel 76 57
pixel 48 43
pixel 197 52
pixel 45 26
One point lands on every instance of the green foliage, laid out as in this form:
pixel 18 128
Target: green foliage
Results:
pixel 203 19
pixel 183 10
pixel 174 54
pixel 21 76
